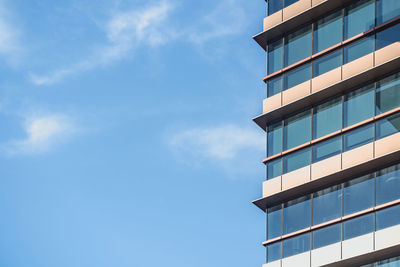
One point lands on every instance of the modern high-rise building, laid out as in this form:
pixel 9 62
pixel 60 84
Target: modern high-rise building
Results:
pixel 332 122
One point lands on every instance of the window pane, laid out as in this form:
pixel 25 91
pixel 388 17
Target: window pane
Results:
pixel 327 149
pixel 359 105
pixel 388 37
pixel 297 214
pixel 359 49
pixel 298 45
pixel 327 204
pixel 388 217
pixel 327 63
pixel 388 126
pixel 274 252
pixel 388 184
pixel 358 226
pixel 274 222
pixel 328 31
pixel 387 10
pixel 274 6
pixel 275 56
pixel 327 117
pixel 297 76
pixel 327 236
pixel 275 86
pixel 274 139
pixel 297 130
pixel 359 194
pixel 297 160
pixel 359 17
pixel 388 93
pixel 359 137
pixel 289 2
pixel 297 245
pixel 274 168
pixel 393 262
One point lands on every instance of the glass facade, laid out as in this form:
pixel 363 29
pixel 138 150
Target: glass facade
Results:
pixel 275 56
pixel 274 139
pixel 327 117
pixel 297 130
pixel 387 10
pixel 388 93
pixel 359 17
pixel 298 45
pixel 297 214
pixel 359 105
pixel 328 31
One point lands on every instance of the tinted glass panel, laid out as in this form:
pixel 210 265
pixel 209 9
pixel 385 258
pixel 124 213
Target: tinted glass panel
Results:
pixel 298 45
pixel 358 226
pixel 275 86
pixel 289 2
pixel 328 31
pixel 274 252
pixel 297 160
pixel 388 184
pixel 297 245
pixel 394 262
pixel 274 139
pixel 359 17
pixel 274 222
pixel 327 149
pixel 387 10
pixel 327 204
pixel 297 76
pixel 359 49
pixel 297 214
pixel 326 236
pixel 389 36
pixel 388 217
pixel 274 168
pixel 274 6
pixel 327 118
pixel 275 56
pixel 358 194
pixel 297 130
pixel 388 126
pixel 359 105
pixel 327 63
pixel 388 93
pixel 359 137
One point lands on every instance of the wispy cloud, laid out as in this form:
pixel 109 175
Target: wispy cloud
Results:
pixel 10 48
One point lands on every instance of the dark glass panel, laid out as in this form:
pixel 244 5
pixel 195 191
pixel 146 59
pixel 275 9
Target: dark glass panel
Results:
pixel 388 126
pixel 328 31
pixel 274 139
pixel 297 214
pixel 327 204
pixel 359 105
pixel 359 49
pixel 388 93
pixel 328 148
pixel 274 168
pixel 275 86
pixel 359 137
pixel 274 252
pixel 275 56
pixel 274 222
pixel 359 17
pixel 296 245
pixel 297 76
pixel 297 160
pixel 358 226
pixel 388 36
pixel 274 6
pixel 388 184
pixel 387 217
pixel 298 45
pixel 327 236
pixel 359 194
pixel 297 130
pixel 327 117
pixel 387 10
pixel 327 63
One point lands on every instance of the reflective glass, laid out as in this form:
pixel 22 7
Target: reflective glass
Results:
pixel 297 130
pixel 289 2
pixel 388 36
pixel 359 49
pixel 328 31
pixel 359 17
pixel 327 117
pixel 388 217
pixel 327 236
pixel 274 139
pixel 274 222
pixel 297 214
pixel 387 10
pixel 359 137
pixel 327 149
pixel 327 63
pixel 359 105
pixel 297 160
pixel 274 6
pixel 297 76
pixel 297 245
pixel 275 86
pixel 274 168
pixel 388 184
pixel 393 262
pixel 388 126
pixel 359 194
pixel 388 93
pixel 358 226
pixel 327 204
pixel 275 56
pixel 298 45
pixel 274 252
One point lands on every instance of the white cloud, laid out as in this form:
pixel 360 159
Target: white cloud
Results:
pixel 10 48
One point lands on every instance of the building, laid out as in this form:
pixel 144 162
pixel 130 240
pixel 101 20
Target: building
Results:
pixel 332 121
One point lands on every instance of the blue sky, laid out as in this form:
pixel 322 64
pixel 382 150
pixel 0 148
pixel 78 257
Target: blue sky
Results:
pixel 126 135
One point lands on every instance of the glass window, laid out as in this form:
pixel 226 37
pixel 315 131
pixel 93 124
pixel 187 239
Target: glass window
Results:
pixel 388 217
pixel 297 160
pixel 274 6
pixel 297 214
pixel 359 49
pixel 274 252
pixel 359 17
pixel 327 236
pixel 328 148
pixel 274 168
pixel 328 31
pixel 388 37
pixel 274 139
pixel 297 76
pixel 388 184
pixel 289 2
pixel 359 137
pixel 275 56
pixel 274 222
pixel 388 93
pixel 275 86
pixel 359 105
pixel 327 117
pixel 327 204
pixel 327 63
pixel 387 10
pixel 358 226
pixel 297 130
pixel 359 194
pixel 393 262
pixel 298 45
pixel 297 245
pixel 388 126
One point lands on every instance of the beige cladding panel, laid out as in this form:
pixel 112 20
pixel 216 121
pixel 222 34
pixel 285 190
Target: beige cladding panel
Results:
pixel 296 178
pixel 326 255
pixel 358 155
pixel 359 65
pixel 326 167
pixel 326 79
pixel 357 246
pixel 272 186
pixel 272 103
pixel 387 237
pixel 272 20
pixel 387 145
pixel 296 8
pixel 296 92
pixel 294 261
pixel 387 53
